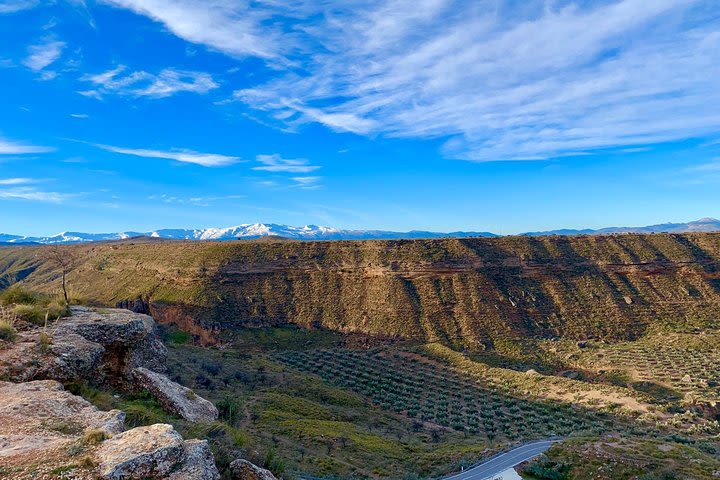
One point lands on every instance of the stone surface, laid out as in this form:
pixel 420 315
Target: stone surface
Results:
pixel 199 463
pixel 243 470
pixel 124 334
pixel 175 398
pixel 104 345
pixel 152 451
pixel 40 423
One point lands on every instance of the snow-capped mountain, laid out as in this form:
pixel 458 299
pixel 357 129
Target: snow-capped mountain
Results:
pixel 315 232
pixel 244 231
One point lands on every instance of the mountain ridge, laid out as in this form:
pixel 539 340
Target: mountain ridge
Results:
pixel 316 232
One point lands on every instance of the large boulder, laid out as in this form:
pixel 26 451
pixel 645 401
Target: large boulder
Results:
pixel 156 451
pixel 142 452
pixel 41 423
pixel 175 398
pixel 199 462
pixel 66 358
pixel 130 339
pixel 44 428
pixel 104 345
pixel 243 470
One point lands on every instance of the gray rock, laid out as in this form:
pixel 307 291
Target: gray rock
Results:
pixel 199 462
pixel 72 357
pixel 151 451
pixel 104 345
pixel 155 451
pixel 38 418
pixel 243 470
pixel 121 332
pixel 175 398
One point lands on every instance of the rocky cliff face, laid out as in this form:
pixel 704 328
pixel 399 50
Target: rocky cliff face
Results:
pixel 105 346
pixel 47 432
pixel 471 290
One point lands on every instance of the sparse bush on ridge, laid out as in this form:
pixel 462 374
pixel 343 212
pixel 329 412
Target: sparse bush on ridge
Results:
pixel 33 307
pixel 7 325
pixel 17 295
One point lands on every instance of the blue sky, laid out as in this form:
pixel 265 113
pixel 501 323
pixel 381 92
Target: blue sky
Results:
pixel 497 115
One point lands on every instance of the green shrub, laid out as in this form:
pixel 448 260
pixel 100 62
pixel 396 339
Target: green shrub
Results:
pixel 33 307
pixel 7 331
pixel 37 313
pixel 273 463
pixel 229 408
pixel 45 341
pixel 140 411
pixel 178 336
pixel 546 469
pixel 19 295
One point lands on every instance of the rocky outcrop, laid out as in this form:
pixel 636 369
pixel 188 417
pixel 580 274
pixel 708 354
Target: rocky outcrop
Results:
pixel 175 398
pixel 65 358
pixel 130 339
pixel 44 428
pixel 104 345
pixel 155 451
pixel 112 347
pixel 142 452
pixel 244 470
pixel 41 421
pixel 198 464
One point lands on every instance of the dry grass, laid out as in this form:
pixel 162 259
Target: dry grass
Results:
pixel 7 324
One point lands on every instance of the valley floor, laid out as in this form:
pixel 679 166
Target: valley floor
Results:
pixel 320 404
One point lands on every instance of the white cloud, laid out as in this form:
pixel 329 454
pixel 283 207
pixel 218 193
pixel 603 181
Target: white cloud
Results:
pixel 713 166
pixel 234 27
pixel 275 163
pixel 143 84
pixel 30 193
pixel 502 81
pixel 80 115
pixel 307 183
pixel 41 56
pixel 199 201
pixel 12 6
pixel 15 181
pixel 492 79
pixel 13 148
pixel 178 155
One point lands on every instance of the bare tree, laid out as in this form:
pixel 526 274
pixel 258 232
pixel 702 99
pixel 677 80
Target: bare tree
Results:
pixel 64 259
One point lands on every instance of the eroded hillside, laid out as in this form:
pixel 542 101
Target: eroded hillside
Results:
pixel 480 291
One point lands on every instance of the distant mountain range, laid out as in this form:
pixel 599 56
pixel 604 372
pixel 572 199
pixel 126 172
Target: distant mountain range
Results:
pixel 245 231
pixel 314 232
pixel 702 225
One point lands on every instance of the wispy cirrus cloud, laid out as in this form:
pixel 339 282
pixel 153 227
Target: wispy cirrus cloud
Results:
pixel 16 181
pixel 33 194
pixel 276 163
pixel 43 55
pixel 504 81
pixel 8 147
pixel 197 201
pixel 12 6
pixel 166 83
pixel 178 155
pixel 236 27
pixel 492 79
pixel 711 166
pixel 307 183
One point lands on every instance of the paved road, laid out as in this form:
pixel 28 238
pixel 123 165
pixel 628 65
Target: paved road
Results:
pixel 503 461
